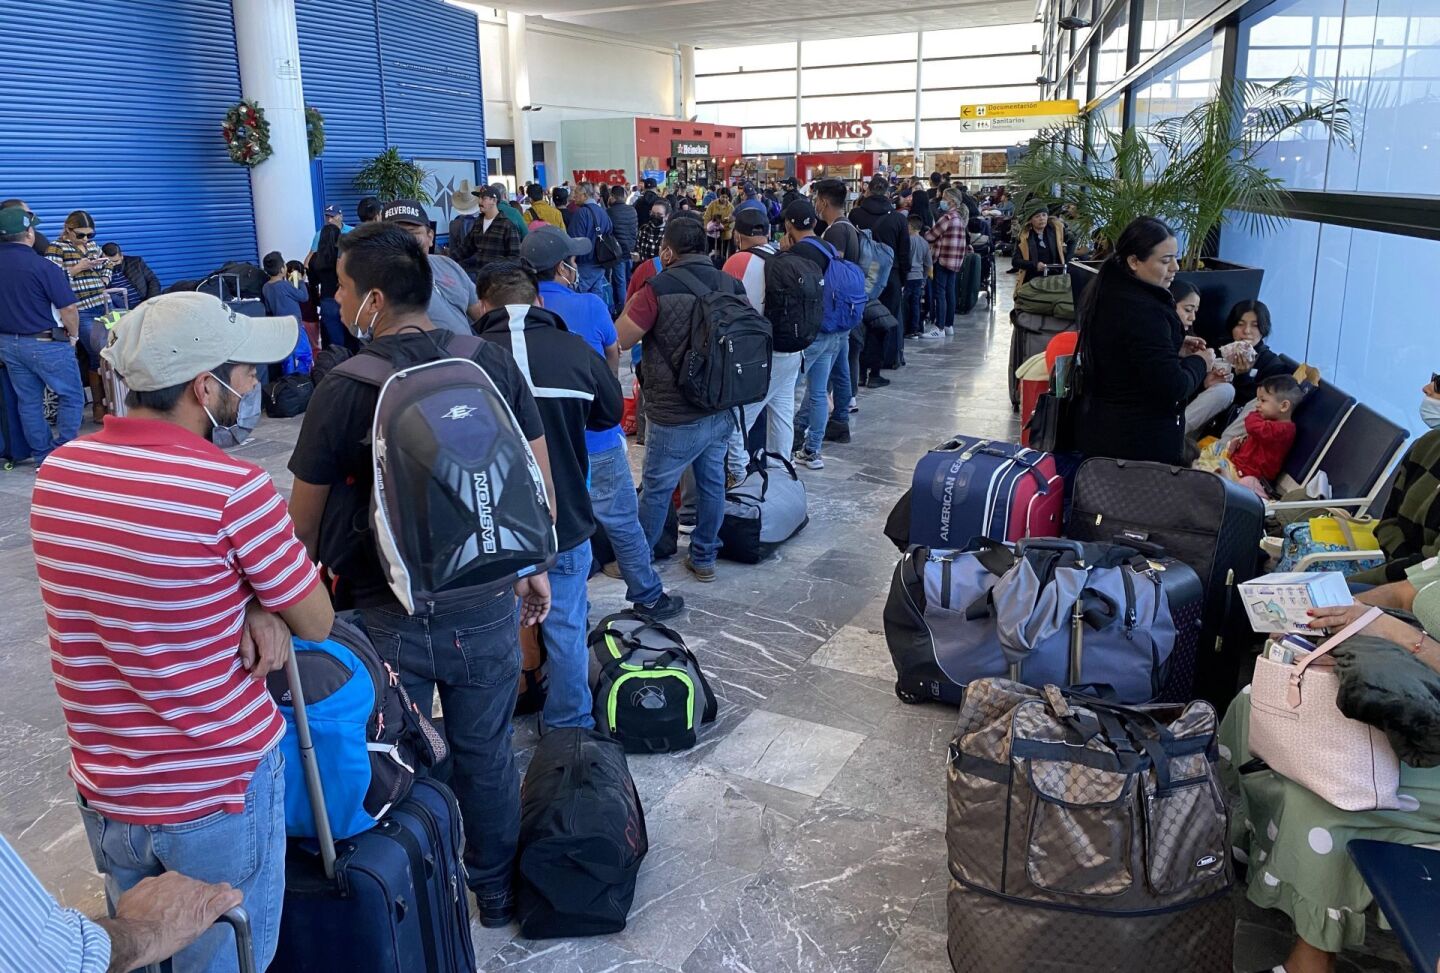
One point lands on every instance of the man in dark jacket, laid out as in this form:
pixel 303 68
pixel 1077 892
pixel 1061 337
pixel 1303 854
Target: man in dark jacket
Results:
pixel 493 236
pixel 133 274
pixel 645 201
pixel 679 434
pixel 575 391
pixel 627 231
pixel 888 226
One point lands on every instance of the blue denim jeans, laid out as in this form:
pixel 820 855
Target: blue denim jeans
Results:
pixel 93 335
pixel 472 655
pixel 34 366
pixel 619 284
pixel 670 450
pixel 568 701
pixel 946 294
pixel 913 322
pixel 594 280
pixel 825 354
pixel 246 849
pixel 332 328
pixel 617 508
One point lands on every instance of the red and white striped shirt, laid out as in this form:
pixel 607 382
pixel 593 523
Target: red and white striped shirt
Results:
pixel 150 542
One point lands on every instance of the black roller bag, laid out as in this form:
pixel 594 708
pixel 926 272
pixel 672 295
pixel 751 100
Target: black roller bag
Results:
pixel 582 837
pixel 1203 520
pixel 389 900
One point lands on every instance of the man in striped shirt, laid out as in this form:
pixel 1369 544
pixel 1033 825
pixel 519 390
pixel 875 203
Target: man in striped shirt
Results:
pixel 172 580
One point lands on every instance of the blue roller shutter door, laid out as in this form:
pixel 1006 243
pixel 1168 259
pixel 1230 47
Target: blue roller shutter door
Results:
pixel 115 108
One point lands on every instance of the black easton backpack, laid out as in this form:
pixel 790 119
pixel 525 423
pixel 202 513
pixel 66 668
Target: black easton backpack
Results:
pixel 794 298
pixel 725 362
pixel 459 506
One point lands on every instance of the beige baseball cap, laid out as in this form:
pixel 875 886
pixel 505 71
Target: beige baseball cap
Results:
pixel 171 338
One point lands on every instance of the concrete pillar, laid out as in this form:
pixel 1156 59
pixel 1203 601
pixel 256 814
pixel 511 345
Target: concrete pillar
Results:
pixel 518 61
pixel 268 49
pixel 919 91
pixel 687 81
pixel 799 145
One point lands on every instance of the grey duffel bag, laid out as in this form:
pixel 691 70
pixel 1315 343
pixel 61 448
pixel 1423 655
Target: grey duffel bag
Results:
pixel 763 511
pixel 1086 836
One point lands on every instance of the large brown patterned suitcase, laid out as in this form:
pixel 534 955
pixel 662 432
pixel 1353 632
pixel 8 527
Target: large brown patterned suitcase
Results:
pixel 1086 836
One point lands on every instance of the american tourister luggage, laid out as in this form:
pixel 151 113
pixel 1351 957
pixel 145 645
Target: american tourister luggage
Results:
pixel 1051 611
pixel 388 900
pixel 972 487
pixel 968 284
pixel 1205 521
pixel 582 837
pixel 1086 837
pixel 763 511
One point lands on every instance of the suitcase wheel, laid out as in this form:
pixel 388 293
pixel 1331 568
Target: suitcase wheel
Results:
pixel 907 697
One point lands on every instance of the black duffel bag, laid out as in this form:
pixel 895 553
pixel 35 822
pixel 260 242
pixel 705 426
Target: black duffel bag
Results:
pixel 288 396
pixel 582 837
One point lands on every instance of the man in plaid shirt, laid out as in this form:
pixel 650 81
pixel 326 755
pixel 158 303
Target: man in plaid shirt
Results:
pixel 951 244
pixel 492 237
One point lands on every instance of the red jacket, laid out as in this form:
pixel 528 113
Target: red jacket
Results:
pixel 1263 450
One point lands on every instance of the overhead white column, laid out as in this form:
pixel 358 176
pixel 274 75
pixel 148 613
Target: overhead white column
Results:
pixel 799 146
pixel 268 49
pixel 518 60
pixel 687 81
pixel 919 86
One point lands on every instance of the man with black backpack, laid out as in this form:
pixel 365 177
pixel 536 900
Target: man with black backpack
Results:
pixel 787 290
pixel 707 352
pixel 468 644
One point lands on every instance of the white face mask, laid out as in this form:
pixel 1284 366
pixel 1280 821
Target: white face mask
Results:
pixel 1430 412
pixel 369 332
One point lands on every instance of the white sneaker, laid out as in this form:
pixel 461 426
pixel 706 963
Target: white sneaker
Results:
pixel 950 331
pixel 933 333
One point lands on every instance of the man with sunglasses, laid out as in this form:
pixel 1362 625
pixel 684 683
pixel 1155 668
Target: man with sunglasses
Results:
pixel 37 354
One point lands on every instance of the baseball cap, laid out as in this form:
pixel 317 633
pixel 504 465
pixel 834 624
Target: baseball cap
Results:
pixel 405 211
pixel 751 222
pixel 171 338
pixel 801 213
pixel 487 191
pixel 333 211
pixel 501 192
pixel 15 219
pixel 544 248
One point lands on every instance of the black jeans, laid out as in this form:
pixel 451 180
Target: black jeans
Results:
pixel 472 654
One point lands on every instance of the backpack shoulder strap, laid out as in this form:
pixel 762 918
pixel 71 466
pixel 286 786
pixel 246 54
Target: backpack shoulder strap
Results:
pixel 366 368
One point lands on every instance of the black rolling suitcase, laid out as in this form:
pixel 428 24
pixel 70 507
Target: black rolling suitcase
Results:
pixel 389 900
pixel 1201 519
pixel 967 287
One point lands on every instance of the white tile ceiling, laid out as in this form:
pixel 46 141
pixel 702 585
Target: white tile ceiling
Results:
pixel 731 23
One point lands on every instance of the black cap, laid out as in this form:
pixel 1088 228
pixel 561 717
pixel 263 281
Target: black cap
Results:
pixel 549 245
pixel 485 191
pixel 405 211
pixel 752 222
pixel 801 213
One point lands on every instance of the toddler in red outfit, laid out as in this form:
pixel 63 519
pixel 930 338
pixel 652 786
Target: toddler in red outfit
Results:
pixel 1256 458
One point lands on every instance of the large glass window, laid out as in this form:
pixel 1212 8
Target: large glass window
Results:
pixel 1110 65
pixel 761 84
pixel 845 107
pixel 946 104
pixel 1344 300
pixel 1383 56
pixel 1179 88
pixel 781 111
pixel 863 77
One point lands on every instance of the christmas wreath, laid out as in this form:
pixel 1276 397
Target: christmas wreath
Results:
pixel 314 131
pixel 247 134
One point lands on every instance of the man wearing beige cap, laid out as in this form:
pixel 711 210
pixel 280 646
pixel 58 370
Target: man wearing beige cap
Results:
pixel 172 581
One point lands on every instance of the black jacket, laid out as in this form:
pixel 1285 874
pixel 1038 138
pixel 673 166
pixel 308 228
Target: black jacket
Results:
pixel 147 285
pixel 1134 383
pixel 643 204
pixel 626 225
pixel 1267 365
pixel 889 226
pixel 574 390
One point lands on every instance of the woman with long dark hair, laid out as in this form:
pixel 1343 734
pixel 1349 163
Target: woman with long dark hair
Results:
pixel 1137 368
pixel 325 282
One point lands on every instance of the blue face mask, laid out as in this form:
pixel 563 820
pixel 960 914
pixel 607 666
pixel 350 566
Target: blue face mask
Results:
pixel 247 417
pixel 944 206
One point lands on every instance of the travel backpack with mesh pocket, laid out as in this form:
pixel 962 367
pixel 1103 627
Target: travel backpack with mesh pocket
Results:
pixel 648 688
pixel 370 738
pixel 459 506
pixel 1086 836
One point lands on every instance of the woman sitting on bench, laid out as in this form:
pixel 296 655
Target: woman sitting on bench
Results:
pixel 1294 841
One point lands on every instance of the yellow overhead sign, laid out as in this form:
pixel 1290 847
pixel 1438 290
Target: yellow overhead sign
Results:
pixel 1022 109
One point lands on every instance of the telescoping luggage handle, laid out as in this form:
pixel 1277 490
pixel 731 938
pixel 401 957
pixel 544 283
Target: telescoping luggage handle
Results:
pixel 239 921
pixel 988 447
pixel 311 769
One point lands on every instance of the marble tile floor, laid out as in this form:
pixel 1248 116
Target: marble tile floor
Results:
pixel 804 832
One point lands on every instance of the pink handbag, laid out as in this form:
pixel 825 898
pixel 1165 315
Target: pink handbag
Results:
pixel 1297 728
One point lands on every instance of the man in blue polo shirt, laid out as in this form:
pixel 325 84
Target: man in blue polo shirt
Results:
pixel 38 353
pixel 612 486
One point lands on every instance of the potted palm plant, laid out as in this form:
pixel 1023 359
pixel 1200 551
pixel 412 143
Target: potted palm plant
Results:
pixel 1198 172
pixel 390 176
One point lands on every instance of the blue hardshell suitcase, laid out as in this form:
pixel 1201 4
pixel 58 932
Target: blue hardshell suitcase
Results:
pixel 389 900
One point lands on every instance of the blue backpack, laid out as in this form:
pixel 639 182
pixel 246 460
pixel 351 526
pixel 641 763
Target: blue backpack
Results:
pixel 876 259
pixel 367 733
pixel 844 297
